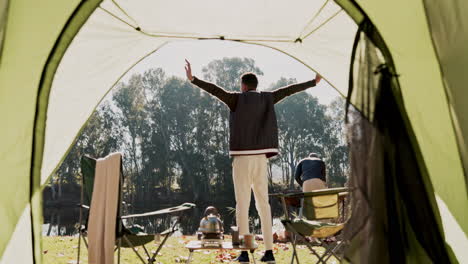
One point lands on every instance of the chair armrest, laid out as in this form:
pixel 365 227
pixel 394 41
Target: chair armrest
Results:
pixel 293 199
pixel 87 206
pixel 83 206
pixel 312 193
pixel 175 209
pixel 343 194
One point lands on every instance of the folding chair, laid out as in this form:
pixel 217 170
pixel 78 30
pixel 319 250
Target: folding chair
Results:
pixel 126 236
pixel 320 216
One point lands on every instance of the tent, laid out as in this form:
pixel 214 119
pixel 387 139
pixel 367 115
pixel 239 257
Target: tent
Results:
pixel 59 58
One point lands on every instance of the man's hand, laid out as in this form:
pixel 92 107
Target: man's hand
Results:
pixel 317 78
pixel 188 70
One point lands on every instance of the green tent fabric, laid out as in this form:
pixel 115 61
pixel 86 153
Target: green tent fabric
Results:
pixel 47 46
pixel 3 18
pixel 449 31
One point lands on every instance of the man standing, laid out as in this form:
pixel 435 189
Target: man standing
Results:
pixel 253 139
pixel 311 173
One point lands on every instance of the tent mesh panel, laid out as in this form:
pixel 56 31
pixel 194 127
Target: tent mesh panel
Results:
pixel 393 220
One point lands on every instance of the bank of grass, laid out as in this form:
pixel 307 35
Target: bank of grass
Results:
pixel 63 250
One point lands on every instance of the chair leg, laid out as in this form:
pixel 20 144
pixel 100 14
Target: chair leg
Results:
pixel 327 256
pixel 253 257
pixel 147 253
pixel 85 242
pixel 294 243
pixel 319 258
pixel 80 220
pixel 81 237
pixel 332 251
pixel 294 255
pixel 161 245
pixel 189 257
pixel 309 246
pixel 173 229
pixel 79 245
pixel 134 250
pixel 119 245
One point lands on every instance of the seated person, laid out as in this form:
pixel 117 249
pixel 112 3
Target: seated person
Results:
pixel 311 173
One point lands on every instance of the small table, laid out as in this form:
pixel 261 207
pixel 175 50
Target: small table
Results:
pixel 197 245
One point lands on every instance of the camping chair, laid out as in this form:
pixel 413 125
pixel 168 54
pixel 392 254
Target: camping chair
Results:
pixel 126 236
pixel 322 214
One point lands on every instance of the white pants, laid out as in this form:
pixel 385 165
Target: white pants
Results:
pixel 250 173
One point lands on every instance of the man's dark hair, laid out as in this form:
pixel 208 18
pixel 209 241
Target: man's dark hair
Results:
pixel 250 79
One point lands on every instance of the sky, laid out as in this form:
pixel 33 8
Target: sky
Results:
pixel 273 63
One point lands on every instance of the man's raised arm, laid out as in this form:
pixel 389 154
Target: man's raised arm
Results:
pixel 230 99
pixel 280 93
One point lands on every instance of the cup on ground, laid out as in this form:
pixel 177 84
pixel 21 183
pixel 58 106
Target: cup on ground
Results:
pixel 249 240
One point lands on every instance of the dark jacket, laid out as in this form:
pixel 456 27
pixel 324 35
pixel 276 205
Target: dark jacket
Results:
pixel 310 168
pixel 252 122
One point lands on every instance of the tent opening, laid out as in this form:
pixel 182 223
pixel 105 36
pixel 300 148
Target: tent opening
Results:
pixel 158 120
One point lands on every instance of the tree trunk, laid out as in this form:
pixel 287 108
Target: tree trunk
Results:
pixel 270 174
pixel 134 175
pixel 52 189
pixel 186 170
pixel 292 167
pixel 59 187
pixel 51 222
pixel 58 224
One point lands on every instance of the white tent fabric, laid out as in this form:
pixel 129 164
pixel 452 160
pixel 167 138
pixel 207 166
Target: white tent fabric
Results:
pixel 108 45
pixel 99 55
pixel 326 51
pixel 454 234
pixel 19 248
pixel 242 20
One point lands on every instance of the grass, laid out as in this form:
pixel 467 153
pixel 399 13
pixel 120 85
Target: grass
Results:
pixel 63 250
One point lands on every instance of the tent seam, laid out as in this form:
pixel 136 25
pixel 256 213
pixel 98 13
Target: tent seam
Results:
pixel 321 25
pixel 314 17
pixel 168 35
pixel 125 12
pixel 118 18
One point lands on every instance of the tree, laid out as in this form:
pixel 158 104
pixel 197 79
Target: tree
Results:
pixel 302 124
pixel 338 162
pixel 227 71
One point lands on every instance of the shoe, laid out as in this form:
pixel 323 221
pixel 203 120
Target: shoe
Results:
pixel 268 257
pixel 243 257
